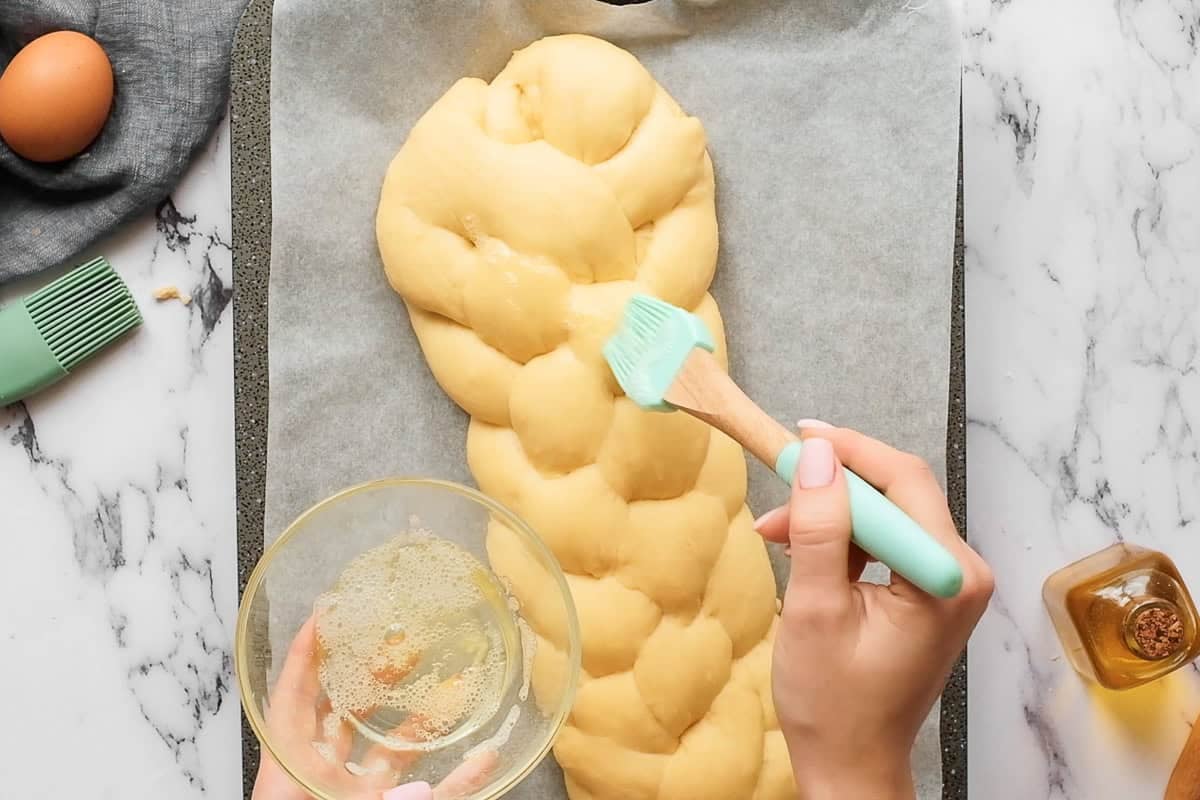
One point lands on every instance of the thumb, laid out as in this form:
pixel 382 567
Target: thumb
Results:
pixel 410 791
pixel 819 521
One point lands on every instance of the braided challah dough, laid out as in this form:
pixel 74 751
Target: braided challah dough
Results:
pixel 516 221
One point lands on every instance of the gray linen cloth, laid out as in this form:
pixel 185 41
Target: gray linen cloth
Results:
pixel 171 63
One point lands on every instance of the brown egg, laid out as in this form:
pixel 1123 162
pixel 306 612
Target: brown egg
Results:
pixel 55 96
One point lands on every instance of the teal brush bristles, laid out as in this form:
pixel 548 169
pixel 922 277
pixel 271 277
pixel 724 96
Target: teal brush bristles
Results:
pixel 650 347
pixel 58 327
pixel 83 312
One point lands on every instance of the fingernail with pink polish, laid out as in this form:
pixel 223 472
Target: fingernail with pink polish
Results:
pixel 817 464
pixel 812 423
pixel 768 517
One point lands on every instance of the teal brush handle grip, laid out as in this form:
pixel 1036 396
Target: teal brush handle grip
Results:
pixel 27 364
pixel 885 532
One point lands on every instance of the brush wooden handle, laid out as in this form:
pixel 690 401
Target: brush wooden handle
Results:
pixel 880 527
pixel 1185 778
pixel 705 391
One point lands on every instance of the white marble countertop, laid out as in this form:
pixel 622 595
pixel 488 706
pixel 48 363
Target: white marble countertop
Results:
pixel 119 581
pixel 1082 202
pixel 1081 126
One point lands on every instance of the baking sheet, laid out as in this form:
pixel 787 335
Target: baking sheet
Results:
pixel 833 129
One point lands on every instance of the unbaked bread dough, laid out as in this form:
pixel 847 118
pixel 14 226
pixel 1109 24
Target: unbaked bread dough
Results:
pixel 516 221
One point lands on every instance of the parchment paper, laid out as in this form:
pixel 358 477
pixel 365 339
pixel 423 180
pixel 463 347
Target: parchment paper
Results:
pixel 832 125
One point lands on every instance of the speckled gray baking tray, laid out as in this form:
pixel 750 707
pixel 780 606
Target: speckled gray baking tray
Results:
pixel 251 127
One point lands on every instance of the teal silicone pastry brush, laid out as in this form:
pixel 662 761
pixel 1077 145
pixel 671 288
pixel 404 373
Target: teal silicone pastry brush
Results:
pixel 662 358
pixel 54 330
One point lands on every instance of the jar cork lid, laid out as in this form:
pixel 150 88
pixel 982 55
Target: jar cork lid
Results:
pixel 1155 631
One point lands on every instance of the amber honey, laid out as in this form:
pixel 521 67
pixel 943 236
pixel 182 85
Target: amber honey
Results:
pixel 1124 616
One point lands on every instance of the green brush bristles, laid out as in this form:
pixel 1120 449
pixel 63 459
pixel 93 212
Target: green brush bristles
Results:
pixel 651 347
pixel 639 328
pixel 82 312
pixel 55 329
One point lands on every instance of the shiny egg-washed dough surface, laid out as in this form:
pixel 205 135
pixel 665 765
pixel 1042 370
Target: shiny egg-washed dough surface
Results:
pixel 515 222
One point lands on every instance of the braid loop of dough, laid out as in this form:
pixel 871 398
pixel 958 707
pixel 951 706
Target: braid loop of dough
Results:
pixel 516 221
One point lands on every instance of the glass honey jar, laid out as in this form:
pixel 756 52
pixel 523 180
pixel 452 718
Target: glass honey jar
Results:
pixel 1124 616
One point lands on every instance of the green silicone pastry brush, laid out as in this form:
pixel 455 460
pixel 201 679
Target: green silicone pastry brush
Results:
pixel 662 357
pixel 54 330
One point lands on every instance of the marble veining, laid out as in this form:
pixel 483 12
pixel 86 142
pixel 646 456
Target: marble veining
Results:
pixel 117 515
pixel 1081 126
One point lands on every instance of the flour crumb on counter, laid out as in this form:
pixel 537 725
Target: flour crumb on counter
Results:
pixel 171 292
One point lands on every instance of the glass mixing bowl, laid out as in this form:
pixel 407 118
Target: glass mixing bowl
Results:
pixel 378 643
